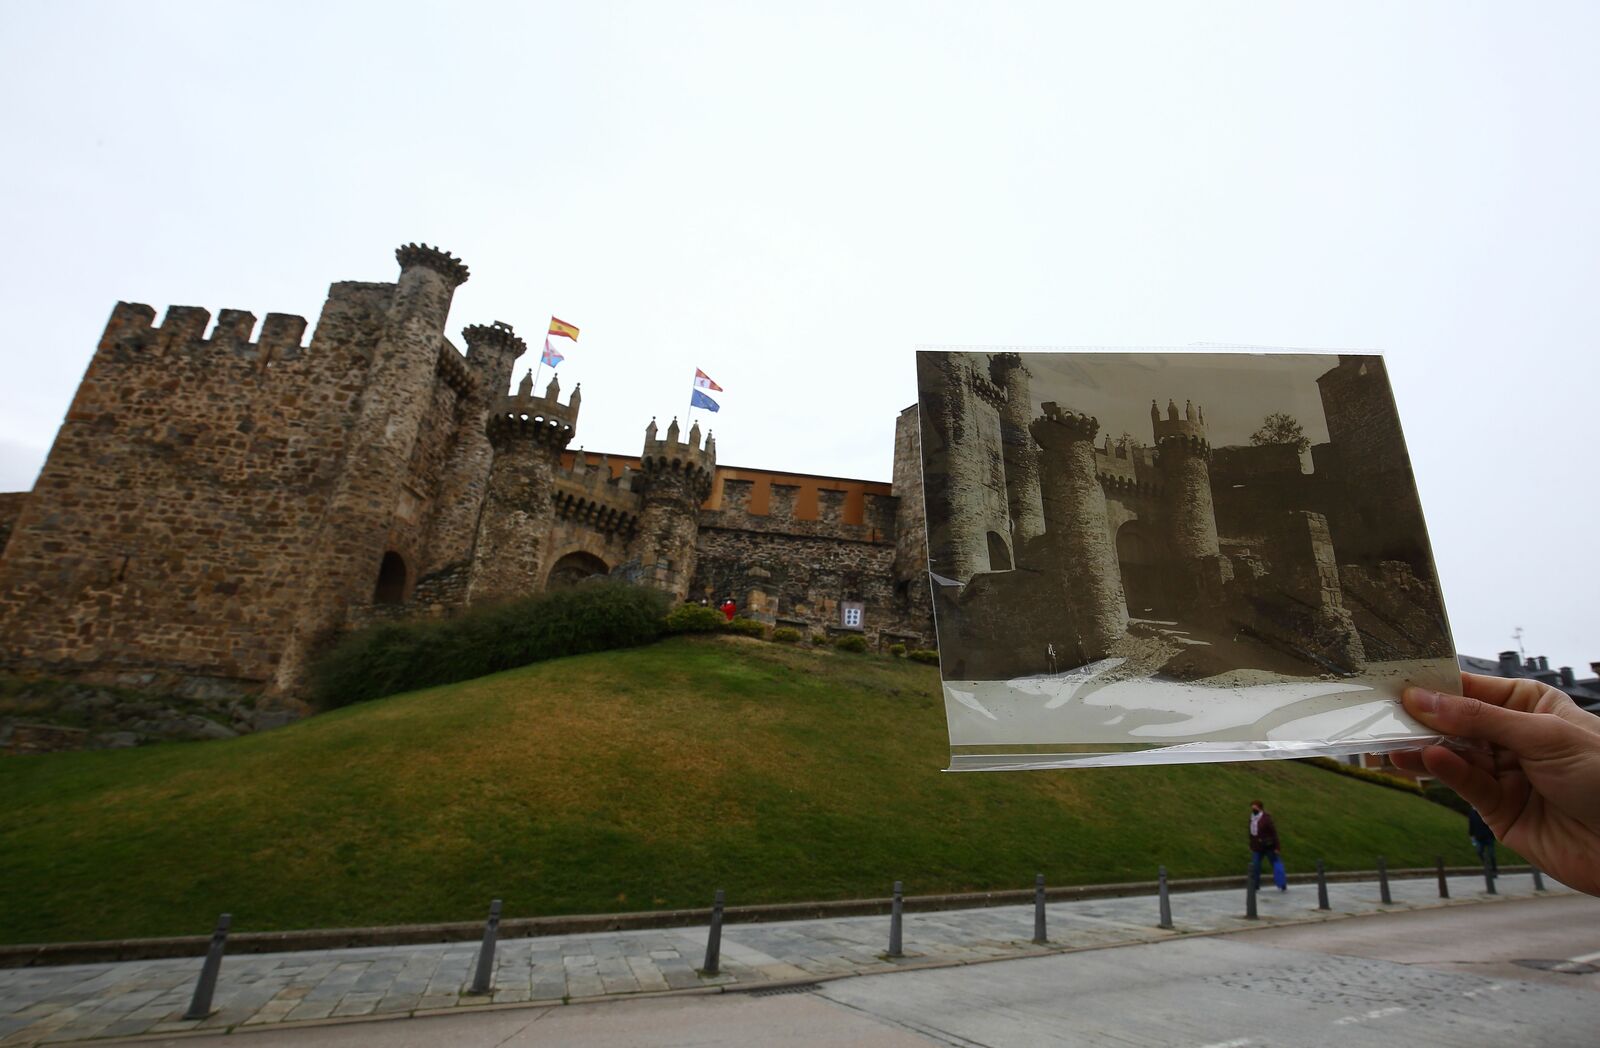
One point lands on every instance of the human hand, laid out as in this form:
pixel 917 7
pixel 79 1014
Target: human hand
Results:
pixel 1534 774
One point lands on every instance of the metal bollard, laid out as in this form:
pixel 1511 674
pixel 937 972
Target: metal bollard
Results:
pixel 1161 892
pixel 1249 895
pixel 714 937
pixel 200 1004
pixel 1383 882
pixel 1444 886
pixel 491 931
pixel 1038 909
pixel 1322 887
pixel 1488 877
pixel 1538 879
pixel 894 923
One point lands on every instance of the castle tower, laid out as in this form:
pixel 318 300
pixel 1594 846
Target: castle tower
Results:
pixel 346 555
pixel 1183 454
pixel 676 478
pixel 528 434
pixel 492 351
pixel 1020 453
pixel 1078 547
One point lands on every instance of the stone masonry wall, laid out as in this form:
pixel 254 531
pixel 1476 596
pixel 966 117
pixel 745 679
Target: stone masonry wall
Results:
pixel 170 525
pixel 10 509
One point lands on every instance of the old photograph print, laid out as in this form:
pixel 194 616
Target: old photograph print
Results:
pixel 1157 556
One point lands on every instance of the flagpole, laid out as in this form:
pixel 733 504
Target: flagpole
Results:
pixel 539 365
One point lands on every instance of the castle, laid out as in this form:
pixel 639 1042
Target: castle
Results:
pixel 1307 571
pixel 215 509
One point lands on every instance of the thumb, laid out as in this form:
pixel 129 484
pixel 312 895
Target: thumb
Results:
pixel 1525 734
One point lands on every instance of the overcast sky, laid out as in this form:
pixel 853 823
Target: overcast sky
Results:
pixel 792 196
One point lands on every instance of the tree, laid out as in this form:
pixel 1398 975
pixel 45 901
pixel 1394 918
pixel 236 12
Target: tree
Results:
pixel 1280 427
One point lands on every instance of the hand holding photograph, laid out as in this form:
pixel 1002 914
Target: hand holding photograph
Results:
pixel 1158 556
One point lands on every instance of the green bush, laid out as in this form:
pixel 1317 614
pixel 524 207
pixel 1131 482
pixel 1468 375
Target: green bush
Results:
pixel 897 650
pixel 694 618
pixel 927 655
pixel 401 656
pixel 1439 793
pixel 1394 782
pixel 851 642
pixel 786 635
pixel 819 638
pixel 747 628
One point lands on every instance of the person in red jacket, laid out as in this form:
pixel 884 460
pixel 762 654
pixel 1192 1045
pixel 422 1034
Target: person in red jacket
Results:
pixel 1264 847
pixel 728 608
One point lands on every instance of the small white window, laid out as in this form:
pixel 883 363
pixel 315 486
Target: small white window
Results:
pixel 850 615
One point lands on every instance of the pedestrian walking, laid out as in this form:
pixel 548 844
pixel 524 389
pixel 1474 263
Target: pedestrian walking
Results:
pixel 728 608
pixel 1264 847
pixel 1482 841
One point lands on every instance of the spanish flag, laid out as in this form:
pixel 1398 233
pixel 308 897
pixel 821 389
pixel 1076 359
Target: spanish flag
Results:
pixel 564 329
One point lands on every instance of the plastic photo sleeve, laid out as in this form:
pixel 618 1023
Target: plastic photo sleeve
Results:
pixel 1159 557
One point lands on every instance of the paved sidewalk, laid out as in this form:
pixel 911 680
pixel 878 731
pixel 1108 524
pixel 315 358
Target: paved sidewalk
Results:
pixel 77 1002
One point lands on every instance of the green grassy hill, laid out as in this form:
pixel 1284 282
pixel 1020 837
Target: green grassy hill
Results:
pixel 627 780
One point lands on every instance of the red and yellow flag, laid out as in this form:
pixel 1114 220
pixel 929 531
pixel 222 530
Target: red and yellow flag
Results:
pixel 564 329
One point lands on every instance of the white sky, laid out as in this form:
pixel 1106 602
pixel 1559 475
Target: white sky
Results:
pixel 792 196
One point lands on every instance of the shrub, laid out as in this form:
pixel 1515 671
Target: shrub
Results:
pixel 819 638
pixel 401 656
pixel 786 635
pixel 851 642
pixel 694 618
pixel 747 628
pixel 1439 793
pixel 1394 782
pixel 927 655
pixel 897 650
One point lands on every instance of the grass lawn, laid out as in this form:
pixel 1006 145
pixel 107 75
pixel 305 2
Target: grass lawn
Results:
pixel 628 780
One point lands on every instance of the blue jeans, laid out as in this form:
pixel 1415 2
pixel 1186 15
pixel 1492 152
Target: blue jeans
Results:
pixel 1279 877
pixel 1485 850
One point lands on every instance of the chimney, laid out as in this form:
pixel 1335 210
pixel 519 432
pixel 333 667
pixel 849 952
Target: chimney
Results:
pixel 1567 679
pixel 1532 665
pixel 1508 663
pixel 1544 663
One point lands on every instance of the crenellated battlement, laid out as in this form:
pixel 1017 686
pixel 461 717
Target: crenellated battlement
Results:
pixel 681 456
pixel 1058 424
pixel 593 497
pixel 132 329
pixel 1190 429
pixel 452 369
pixel 437 259
pixel 543 420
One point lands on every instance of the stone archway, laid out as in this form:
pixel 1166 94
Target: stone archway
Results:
pixel 392 578
pixel 574 568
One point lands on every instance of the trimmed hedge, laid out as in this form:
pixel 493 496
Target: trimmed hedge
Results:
pixel 402 656
pixel 819 638
pixel 786 635
pixel 1394 782
pixel 694 618
pixel 897 650
pixel 927 655
pixel 747 628
pixel 852 643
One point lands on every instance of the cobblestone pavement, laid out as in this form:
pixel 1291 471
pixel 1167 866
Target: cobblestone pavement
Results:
pixel 78 1002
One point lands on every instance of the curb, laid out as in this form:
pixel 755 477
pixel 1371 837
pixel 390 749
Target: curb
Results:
pixel 791 983
pixel 31 955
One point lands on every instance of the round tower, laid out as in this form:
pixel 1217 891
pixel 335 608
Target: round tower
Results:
pixel 345 558
pixel 1184 454
pixel 1077 545
pixel 528 434
pixel 675 479
pixel 492 351
pixel 1018 450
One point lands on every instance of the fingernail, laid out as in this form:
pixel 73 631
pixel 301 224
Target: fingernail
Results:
pixel 1422 700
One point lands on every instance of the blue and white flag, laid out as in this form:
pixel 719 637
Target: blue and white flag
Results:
pixel 700 400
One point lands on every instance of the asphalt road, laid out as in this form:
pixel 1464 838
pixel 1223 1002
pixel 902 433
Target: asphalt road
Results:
pixel 1433 977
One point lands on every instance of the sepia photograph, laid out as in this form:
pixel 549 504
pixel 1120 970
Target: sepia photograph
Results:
pixel 1174 556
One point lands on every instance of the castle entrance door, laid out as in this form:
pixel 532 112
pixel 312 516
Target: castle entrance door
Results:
pixel 574 568
pixel 1141 575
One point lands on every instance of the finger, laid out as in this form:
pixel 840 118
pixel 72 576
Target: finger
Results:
pixel 1476 786
pixel 1487 689
pixel 1407 760
pixel 1528 734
